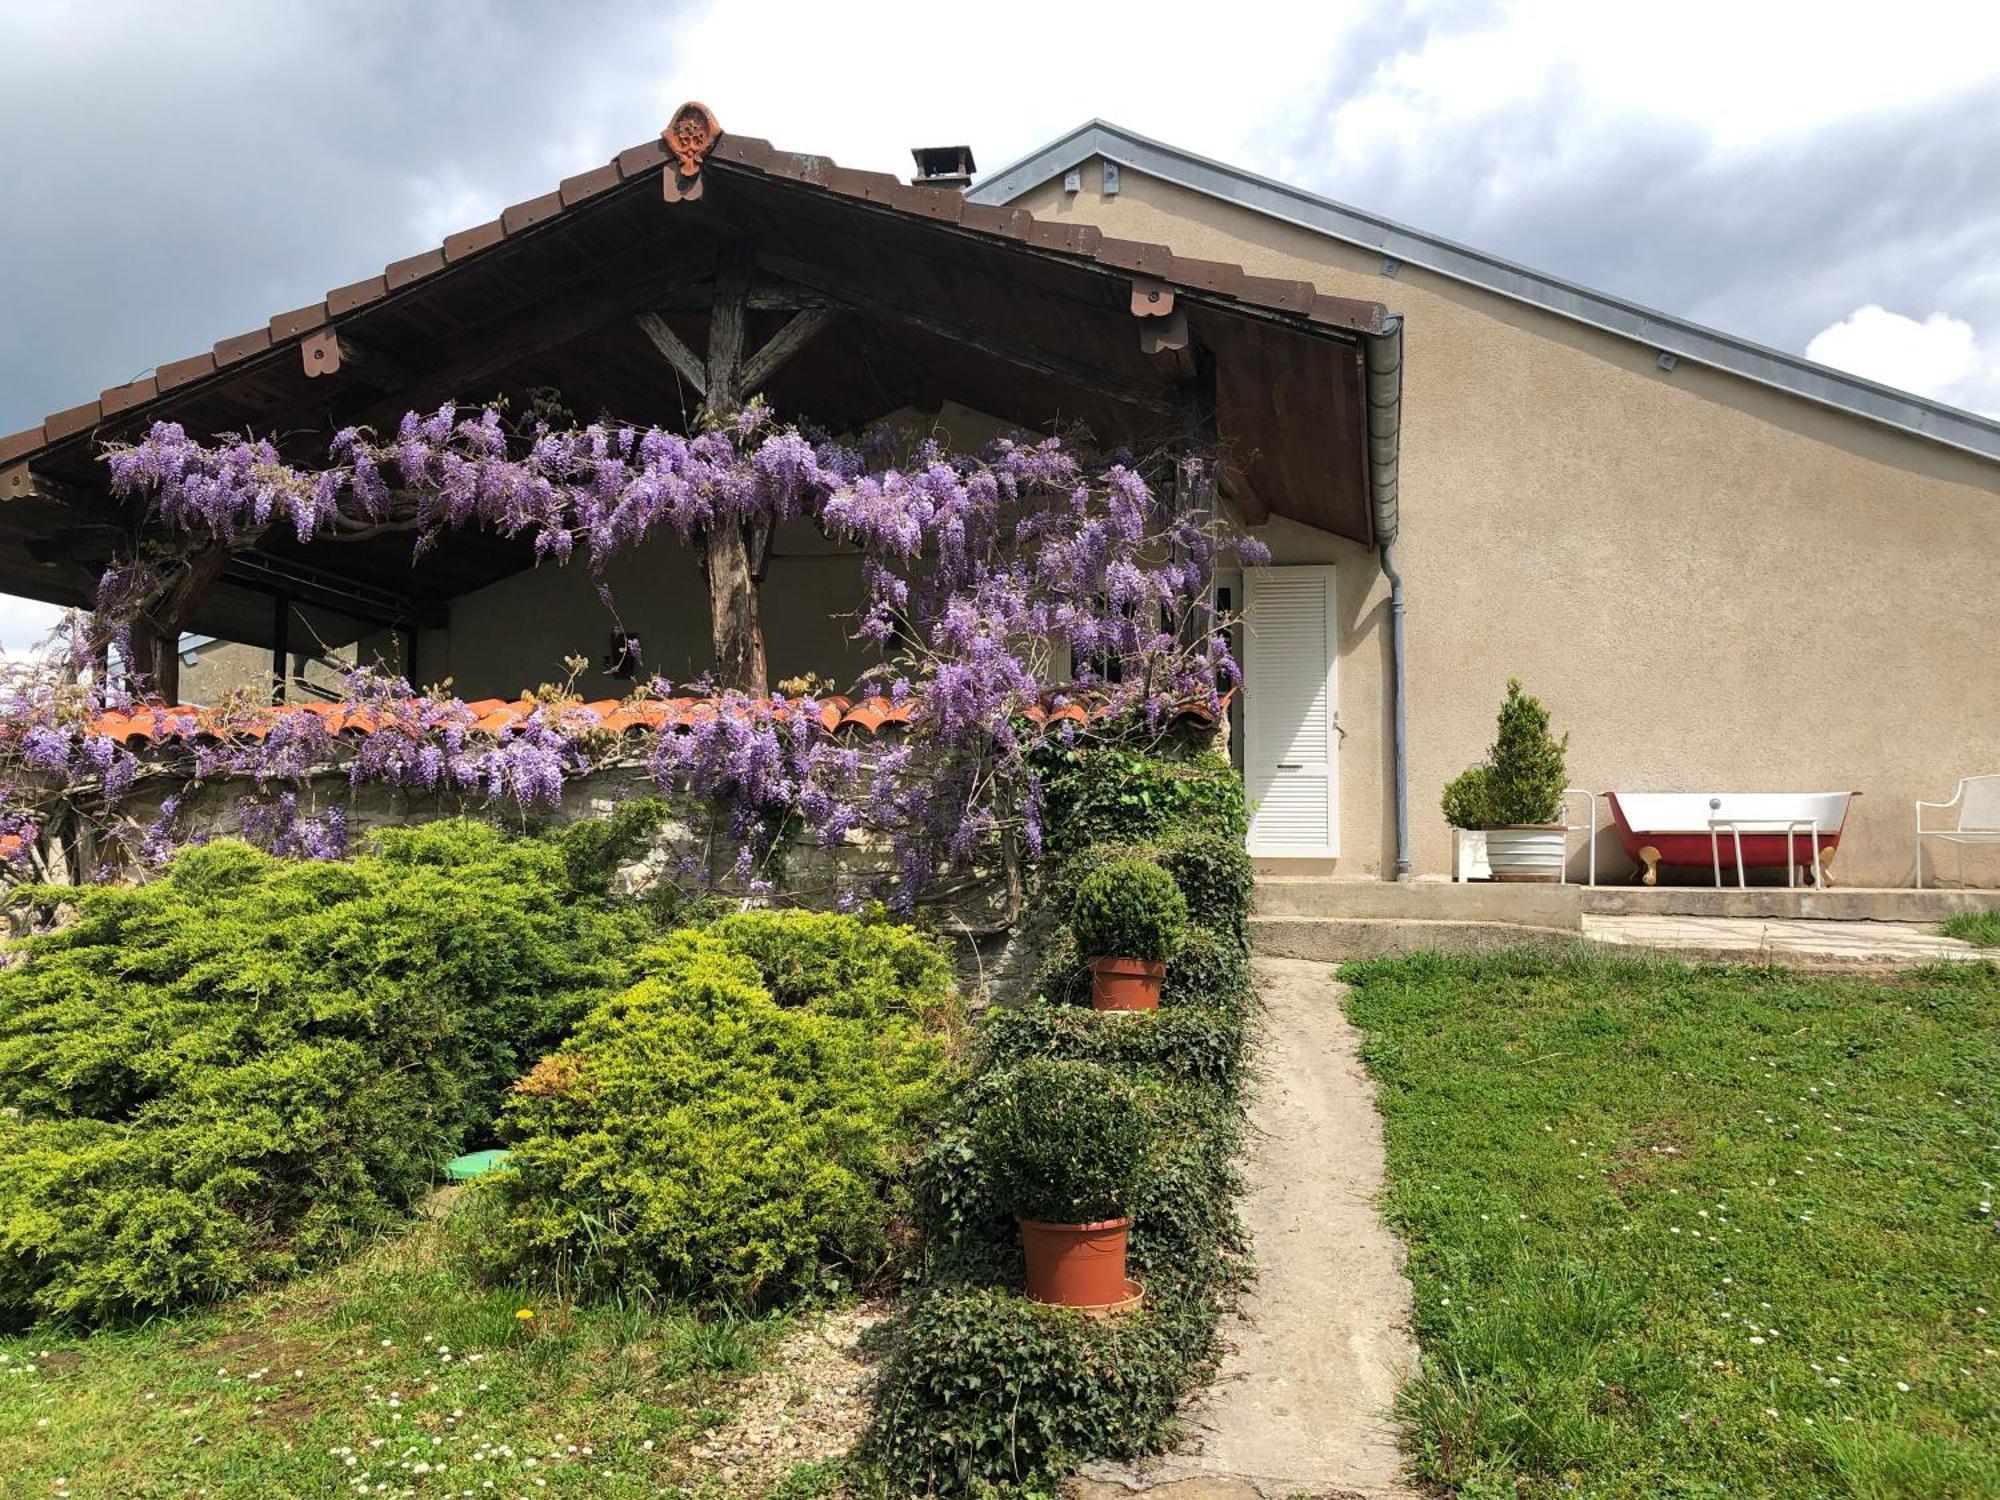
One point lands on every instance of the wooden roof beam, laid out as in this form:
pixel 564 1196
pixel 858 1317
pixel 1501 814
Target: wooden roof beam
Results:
pixel 1023 356
pixel 674 350
pixel 20 482
pixel 327 351
pixel 798 331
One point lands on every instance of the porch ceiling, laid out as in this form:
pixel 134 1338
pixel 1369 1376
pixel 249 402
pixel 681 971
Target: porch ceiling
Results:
pixel 931 298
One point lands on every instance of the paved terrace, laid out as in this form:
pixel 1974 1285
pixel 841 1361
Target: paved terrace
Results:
pixel 1333 920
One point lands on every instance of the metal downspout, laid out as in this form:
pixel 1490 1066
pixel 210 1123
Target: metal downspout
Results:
pixel 1384 385
pixel 1401 730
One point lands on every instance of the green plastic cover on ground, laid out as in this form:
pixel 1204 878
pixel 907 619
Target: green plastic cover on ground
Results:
pixel 474 1164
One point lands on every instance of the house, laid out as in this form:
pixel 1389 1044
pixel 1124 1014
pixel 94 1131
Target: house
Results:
pixel 1717 564
pixel 1722 567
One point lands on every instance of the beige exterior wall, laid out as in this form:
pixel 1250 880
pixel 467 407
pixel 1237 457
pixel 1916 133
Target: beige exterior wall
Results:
pixel 1713 585
pixel 513 635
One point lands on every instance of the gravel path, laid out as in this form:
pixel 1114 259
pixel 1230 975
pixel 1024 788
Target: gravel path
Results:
pixel 1300 1405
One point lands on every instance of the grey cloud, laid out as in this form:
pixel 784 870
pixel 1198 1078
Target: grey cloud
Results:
pixel 1898 208
pixel 176 174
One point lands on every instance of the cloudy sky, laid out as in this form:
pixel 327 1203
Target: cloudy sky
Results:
pixel 1824 178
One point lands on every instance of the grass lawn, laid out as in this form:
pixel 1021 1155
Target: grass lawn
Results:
pixel 394 1374
pixel 1689 1232
pixel 1979 928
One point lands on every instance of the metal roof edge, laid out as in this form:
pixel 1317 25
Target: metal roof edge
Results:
pixel 1948 425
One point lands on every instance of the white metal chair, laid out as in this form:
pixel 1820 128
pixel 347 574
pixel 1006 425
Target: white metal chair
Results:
pixel 1978 802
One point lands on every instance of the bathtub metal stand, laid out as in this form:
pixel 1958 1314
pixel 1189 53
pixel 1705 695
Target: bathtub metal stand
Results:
pixel 1789 826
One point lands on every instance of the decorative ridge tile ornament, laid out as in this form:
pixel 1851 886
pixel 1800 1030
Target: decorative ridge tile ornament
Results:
pixel 690 135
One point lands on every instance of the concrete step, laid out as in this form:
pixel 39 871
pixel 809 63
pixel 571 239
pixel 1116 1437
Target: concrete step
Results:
pixel 1564 906
pixel 1337 940
pixel 1839 904
pixel 1420 901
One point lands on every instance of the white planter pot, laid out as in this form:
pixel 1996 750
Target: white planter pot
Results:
pixel 1527 853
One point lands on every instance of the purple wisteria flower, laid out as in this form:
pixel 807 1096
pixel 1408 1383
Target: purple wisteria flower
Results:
pixel 997 587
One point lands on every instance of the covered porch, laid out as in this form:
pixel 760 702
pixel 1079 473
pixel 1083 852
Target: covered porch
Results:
pixel 697 271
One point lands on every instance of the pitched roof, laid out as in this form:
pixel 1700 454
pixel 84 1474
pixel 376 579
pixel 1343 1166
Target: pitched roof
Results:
pixel 1398 242
pixel 307 327
pixel 1022 318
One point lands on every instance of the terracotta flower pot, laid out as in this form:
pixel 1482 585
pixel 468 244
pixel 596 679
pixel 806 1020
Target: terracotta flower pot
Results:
pixel 1125 983
pixel 1076 1265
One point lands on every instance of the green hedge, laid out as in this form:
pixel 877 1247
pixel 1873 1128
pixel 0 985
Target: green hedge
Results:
pixel 986 1392
pixel 1210 972
pixel 1212 869
pixel 1110 795
pixel 247 1065
pixel 1193 1044
pixel 990 1391
pixel 736 1124
pixel 1128 908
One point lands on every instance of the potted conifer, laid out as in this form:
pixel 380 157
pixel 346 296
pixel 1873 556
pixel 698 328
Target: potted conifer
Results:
pixel 1515 796
pixel 1063 1145
pixel 1127 920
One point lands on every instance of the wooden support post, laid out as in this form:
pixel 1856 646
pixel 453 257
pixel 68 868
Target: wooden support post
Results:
pixel 735 629
pixel 155 667
pixel 281 647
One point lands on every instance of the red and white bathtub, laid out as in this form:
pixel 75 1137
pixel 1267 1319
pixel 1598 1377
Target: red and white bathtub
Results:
pixel 1797 832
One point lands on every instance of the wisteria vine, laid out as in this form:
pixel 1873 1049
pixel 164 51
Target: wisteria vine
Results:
pixel 980 573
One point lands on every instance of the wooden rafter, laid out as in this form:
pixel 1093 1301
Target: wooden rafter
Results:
pixel 799 331
pixel 327 352
pixel 1010 351
pixel 674 350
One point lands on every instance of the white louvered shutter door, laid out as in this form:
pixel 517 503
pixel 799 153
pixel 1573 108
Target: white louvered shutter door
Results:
pixel 1290 745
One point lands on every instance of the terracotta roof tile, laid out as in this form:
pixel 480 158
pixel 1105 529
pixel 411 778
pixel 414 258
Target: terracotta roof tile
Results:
pixel 299 320
pixel 119 397
pixel 1071 239
pixel 400 273
pixel 15 444
pixel 157 724
pixel 573 190
pixel 1209 275
pixel 637 161
pixel 180 371
pixel 519 216
pixel 745 150
pixel 1135 255
pixel 467 241
pixel 344 299
pixel 242 346
pixel 61 424
pixel 1286 296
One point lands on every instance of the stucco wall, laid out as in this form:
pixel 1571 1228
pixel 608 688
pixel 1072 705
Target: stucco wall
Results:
pixel 1713 585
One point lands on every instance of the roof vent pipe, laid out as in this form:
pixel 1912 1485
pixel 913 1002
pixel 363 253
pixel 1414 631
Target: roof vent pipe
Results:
pixel 943 167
